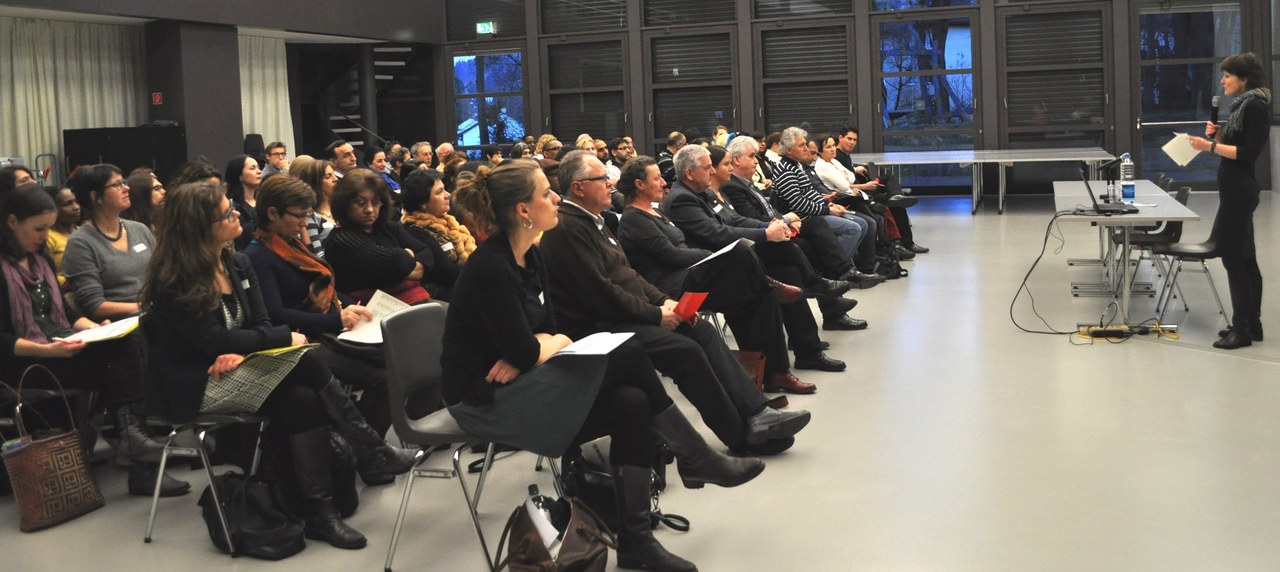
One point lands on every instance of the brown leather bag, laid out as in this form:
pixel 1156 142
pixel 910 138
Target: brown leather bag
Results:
pixel 51 480
pixel 584 545
pixel 753 362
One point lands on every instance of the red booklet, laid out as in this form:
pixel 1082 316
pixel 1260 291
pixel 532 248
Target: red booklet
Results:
pixel 689 304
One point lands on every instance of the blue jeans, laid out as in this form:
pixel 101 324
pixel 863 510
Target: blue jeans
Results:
pixel 849 232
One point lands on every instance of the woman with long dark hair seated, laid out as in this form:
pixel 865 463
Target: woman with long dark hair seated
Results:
pixel 204 315
pixel 317 174
pixel 297 288
pixel 427 218
pixel 33 316
pixel 146 198
pixel 242 177
pixel 499 335
pixel 369 251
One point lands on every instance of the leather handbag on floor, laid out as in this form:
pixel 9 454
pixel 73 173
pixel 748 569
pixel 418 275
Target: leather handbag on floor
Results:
pixel 50 478
pixel 753 362
pixel 259 523
pixel 584 544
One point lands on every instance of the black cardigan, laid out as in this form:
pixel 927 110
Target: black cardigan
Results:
pixel 182 346
pixel 363 260
pixel 494 314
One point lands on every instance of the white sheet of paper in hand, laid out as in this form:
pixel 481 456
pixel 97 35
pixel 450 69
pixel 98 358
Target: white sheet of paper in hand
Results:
pixel 370 332
pixel 108 332
pixel 1180 150
pixel 726 248
pixel 596 344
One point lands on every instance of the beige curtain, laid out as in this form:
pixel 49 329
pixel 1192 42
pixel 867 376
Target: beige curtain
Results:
pixel 264 90
pixel 66 75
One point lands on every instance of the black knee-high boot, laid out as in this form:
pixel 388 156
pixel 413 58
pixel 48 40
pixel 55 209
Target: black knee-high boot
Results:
pixel 312 467
pixel 637 548
pixel 377 462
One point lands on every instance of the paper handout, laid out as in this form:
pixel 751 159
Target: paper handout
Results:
pixel 1180 150
pixel 370 332
pixel 103 333
pixel 689 304
pixel 597 344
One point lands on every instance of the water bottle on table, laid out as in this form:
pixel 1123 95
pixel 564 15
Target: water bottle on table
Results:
pixel 1126 178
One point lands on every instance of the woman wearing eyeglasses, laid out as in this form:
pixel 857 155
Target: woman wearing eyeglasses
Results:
pixel 107 256
pixel 146 198
pixel 369 251
pixel 206 317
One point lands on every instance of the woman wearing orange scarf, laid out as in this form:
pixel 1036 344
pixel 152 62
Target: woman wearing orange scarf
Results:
pixel 427 218
pixel 298 291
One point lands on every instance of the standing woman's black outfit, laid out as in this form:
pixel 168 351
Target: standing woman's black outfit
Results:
pixel 1248 129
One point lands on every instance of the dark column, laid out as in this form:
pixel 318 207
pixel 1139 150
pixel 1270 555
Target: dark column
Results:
pixel 197 68
pixel 368 97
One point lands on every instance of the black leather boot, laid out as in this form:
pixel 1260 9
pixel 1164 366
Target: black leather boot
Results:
pixel 696 461
pixel 142 482
pixel 312 460
pixel 1255 330
pixel 377 462
pixel 135 444
pixel 637 548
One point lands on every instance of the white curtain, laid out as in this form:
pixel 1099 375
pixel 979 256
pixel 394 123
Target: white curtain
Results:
pixel 66 75
pixel 264 90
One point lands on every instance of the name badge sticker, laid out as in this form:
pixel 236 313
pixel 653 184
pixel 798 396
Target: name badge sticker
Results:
pixel 446 246
pixel 612 241
pixel 718 208
pixel 244 283
pixel 139 247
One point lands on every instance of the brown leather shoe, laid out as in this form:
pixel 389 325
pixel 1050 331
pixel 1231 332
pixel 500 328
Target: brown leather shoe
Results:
pixel 786 292
pixel 788 383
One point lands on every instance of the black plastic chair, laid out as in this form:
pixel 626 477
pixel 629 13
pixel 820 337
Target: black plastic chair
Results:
pixel 1179 253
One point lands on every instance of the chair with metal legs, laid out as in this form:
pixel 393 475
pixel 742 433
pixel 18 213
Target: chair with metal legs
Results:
pixel 412 342
pixel 1179 253
pixel 202 424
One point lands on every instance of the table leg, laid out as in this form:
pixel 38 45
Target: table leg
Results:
pixel 1125 280
pixel 1003 171
pixel 975 176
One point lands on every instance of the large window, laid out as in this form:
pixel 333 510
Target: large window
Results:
pixel 888 5
pixel 927 92
pixel 1179 49
pixel 489 99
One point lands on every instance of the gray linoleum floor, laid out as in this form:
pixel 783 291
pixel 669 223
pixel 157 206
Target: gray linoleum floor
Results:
pixel 954 443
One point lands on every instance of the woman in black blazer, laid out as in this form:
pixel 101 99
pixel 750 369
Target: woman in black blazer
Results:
pixel 204 316
pixel 502 384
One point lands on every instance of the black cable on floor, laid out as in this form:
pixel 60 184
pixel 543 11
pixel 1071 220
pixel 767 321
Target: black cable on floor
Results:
pixel 1023 287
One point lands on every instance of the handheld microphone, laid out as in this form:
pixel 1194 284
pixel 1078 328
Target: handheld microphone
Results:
pixel 1213 106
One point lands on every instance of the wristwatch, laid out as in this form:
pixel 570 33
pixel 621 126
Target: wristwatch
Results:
pixel 1213 147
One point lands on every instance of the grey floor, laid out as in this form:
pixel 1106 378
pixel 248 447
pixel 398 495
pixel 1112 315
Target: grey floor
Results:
pixel 955 441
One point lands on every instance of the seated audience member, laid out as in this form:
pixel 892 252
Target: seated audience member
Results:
pixel 499 335
pixel 675 140
pixel 492 154
pixel 795 191
pixel 427 218
pixel 443 152
pixel 277 159
pixel 551 170
pixel 204 314
pixel 33 314
pixel 243 178
pixel 195 171
pixel 317 174
pixel 343 157
pixel 421 152
pixel 298 292
pixel 107 257
pixel 376 160
pixel 369 251
pixel 815 238
pixel 12 177
pixel 854 196
pixel 548 148
pixel 520 151
pixel 595 289
pixel 735 282
pixel 146 199
pixel 889 193
pixel 701 213
pixel 395 160
pixel 63 227
pixel 585 142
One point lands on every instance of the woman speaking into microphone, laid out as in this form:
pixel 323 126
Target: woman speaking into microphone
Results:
pixel 1239 143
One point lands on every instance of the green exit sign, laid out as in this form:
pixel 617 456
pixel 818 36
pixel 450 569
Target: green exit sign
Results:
pixel 484 27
